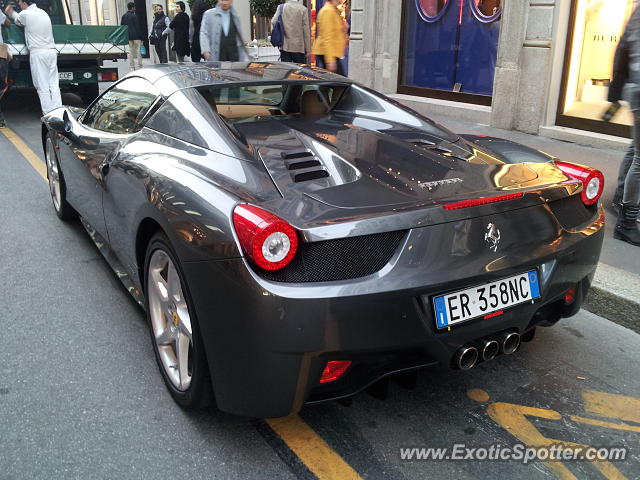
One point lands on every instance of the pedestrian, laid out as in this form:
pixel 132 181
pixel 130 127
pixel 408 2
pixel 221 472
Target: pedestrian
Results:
pixel 220 35
pixel 620 78
pixel 197 11
pixel 43 57
pixel 5 58
pixel 159 32
pixel 130 19
pixel 330 37
pixel 626 227
pixel 180 27
pixel 297 33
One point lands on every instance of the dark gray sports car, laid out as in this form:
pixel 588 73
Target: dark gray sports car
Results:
pixel 295 237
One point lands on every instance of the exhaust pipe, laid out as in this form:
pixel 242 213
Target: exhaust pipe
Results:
pixel 465 358
pixel 510 341
pixel 488 348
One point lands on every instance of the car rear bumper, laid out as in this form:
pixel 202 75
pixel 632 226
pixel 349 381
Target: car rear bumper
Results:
pixel 267 343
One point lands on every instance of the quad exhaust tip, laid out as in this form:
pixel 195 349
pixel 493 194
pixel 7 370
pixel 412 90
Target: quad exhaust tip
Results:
pixel 510 341
pixel 489 348
pixel 465 358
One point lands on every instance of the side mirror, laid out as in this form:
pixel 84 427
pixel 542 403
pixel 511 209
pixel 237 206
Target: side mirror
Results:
pixel 66 128
pixel 56 124
pixel 66 121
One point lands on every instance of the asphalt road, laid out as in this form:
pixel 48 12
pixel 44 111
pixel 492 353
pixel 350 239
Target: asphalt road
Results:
pixel 81 397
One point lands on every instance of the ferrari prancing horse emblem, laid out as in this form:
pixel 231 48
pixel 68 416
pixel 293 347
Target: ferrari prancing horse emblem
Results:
pixel 492 237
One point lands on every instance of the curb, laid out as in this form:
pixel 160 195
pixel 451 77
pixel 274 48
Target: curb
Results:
pixel 615 295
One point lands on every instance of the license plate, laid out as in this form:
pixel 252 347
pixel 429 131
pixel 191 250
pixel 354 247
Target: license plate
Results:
pixel 65 75
pixel 486 299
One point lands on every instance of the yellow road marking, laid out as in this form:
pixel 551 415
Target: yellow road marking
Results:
pixel 478 395
pixel 34 160
pixel 611 405
pixel 513 418
pixel 312 450
pixel 600 423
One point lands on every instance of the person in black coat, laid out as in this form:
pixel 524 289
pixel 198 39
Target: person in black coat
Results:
pixel 159 32
pixel 620 78
pixel 180 27
pixel 626 228
pixel 197 11
pixel 130 19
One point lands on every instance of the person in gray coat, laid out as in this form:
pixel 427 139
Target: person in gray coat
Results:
pixel 626 228
pixel 220 35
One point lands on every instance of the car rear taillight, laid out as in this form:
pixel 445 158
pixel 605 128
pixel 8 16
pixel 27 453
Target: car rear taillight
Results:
pixel 334 370
pixel 270 242
pixel 592 180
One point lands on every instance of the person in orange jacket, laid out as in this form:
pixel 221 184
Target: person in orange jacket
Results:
pixel 330 38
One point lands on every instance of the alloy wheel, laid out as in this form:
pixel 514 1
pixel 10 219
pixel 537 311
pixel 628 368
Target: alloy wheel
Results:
pixel 170 320
pixel 53 173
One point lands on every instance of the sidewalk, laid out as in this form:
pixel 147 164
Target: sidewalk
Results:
pixel 615 292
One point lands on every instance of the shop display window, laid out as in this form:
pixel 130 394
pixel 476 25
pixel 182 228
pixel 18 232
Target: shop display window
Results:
pixel 595 29
pixel 449 48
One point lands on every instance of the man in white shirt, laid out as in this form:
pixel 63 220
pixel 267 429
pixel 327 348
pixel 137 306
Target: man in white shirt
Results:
pixel 5 56
pixel 43 57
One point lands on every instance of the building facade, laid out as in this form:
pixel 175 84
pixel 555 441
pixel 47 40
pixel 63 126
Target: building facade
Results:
pixel 538 66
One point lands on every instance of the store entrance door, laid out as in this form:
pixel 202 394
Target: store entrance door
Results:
pixel 451 46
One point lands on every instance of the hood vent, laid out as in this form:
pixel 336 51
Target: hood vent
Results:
pixel 428 145
pixel 310 175
pixel 295 155
pixel 303 166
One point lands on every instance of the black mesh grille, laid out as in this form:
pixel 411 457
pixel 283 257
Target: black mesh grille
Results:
pixel 339 259
pixel 571 212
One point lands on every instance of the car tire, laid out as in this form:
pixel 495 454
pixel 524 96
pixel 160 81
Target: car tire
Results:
pixel 175 335
pixel 57 185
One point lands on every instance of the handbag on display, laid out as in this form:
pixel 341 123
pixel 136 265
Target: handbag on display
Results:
pixel 277 33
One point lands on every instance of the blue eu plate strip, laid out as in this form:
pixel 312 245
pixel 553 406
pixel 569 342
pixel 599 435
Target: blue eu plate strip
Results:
pixel 441 312
pixel 534 284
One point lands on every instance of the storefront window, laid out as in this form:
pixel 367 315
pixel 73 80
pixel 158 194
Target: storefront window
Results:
pixel 487 9
pixel 431 10
pixel 597 26
pixel 450 48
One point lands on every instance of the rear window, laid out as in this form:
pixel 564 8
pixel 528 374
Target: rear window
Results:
pixel 253 102
pixel 250 103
